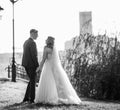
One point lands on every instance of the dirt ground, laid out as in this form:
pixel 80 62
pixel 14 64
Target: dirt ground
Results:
pixel 12 93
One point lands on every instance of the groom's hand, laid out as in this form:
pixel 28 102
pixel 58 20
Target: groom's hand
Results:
pixel 38 70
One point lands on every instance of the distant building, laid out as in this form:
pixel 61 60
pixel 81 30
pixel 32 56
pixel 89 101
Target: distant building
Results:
pixel 69 44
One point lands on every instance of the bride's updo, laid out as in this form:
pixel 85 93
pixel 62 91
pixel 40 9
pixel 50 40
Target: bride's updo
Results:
pixel 50 42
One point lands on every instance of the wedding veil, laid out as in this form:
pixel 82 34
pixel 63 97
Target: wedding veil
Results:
pixel 62 80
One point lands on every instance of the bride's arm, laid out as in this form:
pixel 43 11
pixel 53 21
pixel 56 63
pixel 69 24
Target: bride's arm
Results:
pixel 43 60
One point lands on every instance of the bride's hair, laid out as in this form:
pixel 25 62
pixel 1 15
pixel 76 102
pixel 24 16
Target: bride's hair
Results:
pixel 50 42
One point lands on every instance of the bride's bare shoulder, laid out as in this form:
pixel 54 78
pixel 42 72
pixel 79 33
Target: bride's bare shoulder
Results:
pixel 47 49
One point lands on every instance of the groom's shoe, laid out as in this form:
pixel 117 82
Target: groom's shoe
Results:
pixel 25 101
pixel 31 102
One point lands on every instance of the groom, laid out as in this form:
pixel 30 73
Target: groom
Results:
pixel 30 63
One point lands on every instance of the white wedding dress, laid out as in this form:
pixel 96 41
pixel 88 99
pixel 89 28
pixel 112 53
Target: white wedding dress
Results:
pixel 54 86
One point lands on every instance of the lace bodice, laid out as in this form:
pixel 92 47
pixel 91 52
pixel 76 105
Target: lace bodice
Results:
pixel 49 56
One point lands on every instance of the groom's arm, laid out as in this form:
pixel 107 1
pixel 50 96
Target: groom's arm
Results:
pixel 43 59
pixel 33 52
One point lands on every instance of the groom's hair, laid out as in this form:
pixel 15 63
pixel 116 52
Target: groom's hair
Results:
pixel 51 38
pixel 33 31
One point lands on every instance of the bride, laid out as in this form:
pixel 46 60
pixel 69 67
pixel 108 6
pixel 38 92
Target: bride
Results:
pixel 54 86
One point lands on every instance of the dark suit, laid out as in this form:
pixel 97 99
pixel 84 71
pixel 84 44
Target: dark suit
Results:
pixel 30 63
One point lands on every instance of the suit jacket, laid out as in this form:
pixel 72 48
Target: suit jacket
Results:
pixel 30 59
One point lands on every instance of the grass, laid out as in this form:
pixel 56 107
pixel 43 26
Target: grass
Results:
pixel 12 93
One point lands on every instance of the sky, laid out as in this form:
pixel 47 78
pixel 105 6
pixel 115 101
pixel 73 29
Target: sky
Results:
pixel 57 18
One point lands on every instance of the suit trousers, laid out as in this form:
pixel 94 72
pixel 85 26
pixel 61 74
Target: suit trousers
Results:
pixel 30 91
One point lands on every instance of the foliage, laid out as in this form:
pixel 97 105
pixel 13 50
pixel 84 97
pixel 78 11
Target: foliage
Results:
pixel 93 66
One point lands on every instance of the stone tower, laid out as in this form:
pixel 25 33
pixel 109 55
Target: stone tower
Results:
pixel 85 19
